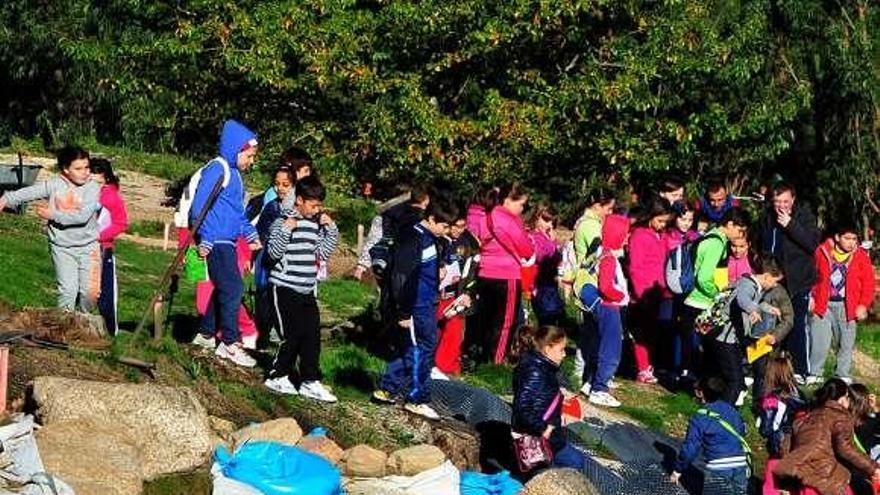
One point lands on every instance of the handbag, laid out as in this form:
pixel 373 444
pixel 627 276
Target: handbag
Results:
pixel 534 451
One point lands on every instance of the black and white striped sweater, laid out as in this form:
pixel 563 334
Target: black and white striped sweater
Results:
pixel 294 253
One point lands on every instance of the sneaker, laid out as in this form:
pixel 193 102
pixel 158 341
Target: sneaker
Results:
pixel 799 379
pixel 281 385
pixel 586 389
pixel 383 396
pixel 847 380
pixel 813 380
pixel 749 381
pixel 741 398
pixel 646 376
pixel 436 374
pixel 204 341
pixel 604 399
pixel 236 354
pixel 612 384
pixel 423 410
pixel 316 390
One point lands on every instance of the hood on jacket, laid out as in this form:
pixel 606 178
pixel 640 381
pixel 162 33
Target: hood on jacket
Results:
pixel 233 138
pixel 614 231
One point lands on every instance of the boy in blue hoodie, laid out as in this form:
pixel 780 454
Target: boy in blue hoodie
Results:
pixel 718 430
pixel 224 223
pixel 414 284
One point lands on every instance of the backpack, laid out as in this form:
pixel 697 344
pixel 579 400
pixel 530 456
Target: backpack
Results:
pixel 680 270
pixel 588 294
pixel 715 319
pixel 182 213
pixel 381 255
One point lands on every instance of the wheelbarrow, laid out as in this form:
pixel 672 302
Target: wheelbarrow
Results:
pixel 14 177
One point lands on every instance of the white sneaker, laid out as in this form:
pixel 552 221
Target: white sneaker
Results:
pixel 586 389
pixel 799 379
pixel 436 374
pixel 749 381
pixel 204 342
pixel 317 391
pixel 236 354
pixel 423 410
pixel 604 399
pixel 281 385
pixel 813 380
pixel 741 398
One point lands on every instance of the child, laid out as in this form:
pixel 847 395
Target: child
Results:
pixel 414 283
pixel 684 340
pixel 537 396
pixel 862 405
pixel 73 201
pixel 726 348
pixel 647 262
pixel 456 298
pixel 718 430
pixel 217 237
pixel 843 292
pixel 613 293
pixel 547 302
pixel 738 260
pixel 112 222
pixel 295 240
pixel 298 164
pixel 779 401
pixel 823 453
pixel 269 211
pixel 777 320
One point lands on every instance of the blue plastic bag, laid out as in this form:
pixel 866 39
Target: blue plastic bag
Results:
pixel 489 484
pixel 278 469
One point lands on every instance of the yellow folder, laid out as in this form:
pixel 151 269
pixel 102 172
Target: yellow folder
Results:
pixel 757 349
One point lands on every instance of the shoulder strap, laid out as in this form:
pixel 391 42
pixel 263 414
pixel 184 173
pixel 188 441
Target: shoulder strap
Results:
pixel 226 173
pixel 727 426
pixel 552 407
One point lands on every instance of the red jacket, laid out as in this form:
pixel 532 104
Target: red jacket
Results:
pixel 859 281
pixel 647 262
pixel 612 284
pixel 113 218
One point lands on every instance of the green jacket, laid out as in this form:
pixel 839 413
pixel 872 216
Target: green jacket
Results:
pixel 711 250
pixel 587 235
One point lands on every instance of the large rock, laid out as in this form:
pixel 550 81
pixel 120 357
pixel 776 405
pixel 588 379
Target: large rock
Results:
pixel 413 460
pixel 322 446
pixel 558 481
pixel 364 461
pixel 93 459
pixel 168 425
pixel 281 430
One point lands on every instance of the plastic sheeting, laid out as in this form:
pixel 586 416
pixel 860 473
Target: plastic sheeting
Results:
pixel 21 462
pixel 277 469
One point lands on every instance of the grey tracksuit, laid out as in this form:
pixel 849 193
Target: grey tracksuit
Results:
pixel 73 236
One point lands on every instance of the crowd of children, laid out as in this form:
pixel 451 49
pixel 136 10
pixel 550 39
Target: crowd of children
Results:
pixel 704 295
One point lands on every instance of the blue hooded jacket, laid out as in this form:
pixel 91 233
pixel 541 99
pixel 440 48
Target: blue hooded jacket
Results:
pixel 226 220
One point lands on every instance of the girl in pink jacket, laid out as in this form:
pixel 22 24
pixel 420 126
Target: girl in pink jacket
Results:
pixel 647 263
pixel 505 247
pixel 112 222
pixel 546 300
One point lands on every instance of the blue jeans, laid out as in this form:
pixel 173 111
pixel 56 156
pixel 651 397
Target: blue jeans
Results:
pixel 569 457
pixel 610 346
pixel 409 373
pixel 226 298
pixel 737 479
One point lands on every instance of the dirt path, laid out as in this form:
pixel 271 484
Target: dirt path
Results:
pixel 866 368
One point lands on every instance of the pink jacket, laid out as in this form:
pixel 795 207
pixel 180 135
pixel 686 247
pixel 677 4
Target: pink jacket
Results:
pixel 647 262
pixel 737 268
pixel 476 220
pixel 505 246
pixel 113 218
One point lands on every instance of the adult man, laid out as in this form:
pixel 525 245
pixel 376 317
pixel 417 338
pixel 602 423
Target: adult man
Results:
pixel 671 189
pixel 716 202
pixel 789 233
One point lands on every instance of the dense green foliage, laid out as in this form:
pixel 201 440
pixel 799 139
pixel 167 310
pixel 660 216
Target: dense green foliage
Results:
pixel 560 93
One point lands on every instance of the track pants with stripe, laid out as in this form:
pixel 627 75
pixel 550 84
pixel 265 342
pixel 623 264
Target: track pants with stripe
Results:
pixel 499 310
pixel 298 321
pixel 408 374
pixel 109 298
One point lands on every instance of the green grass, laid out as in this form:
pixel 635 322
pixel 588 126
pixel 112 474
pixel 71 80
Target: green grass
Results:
pixel 147 228
pixel 345 299
pixel 868 339
pixel 351 369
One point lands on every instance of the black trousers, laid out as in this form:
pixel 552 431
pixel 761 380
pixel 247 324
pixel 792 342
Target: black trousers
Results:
pixel 498 314
pixel 298 320
pixel 726 363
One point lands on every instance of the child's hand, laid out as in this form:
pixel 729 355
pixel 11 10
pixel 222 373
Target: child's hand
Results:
pixel 203 252
pixel 325 219
pixel 255 245
pixel 359 272
pixel 290 223
pixel 466 300
pixel 674 477
pixel 2 204
pixel 773 310
pixel 872 401
pixel 771 339
pixel 754 317
pixel 44 212
pixel 405 323
pixel 861 312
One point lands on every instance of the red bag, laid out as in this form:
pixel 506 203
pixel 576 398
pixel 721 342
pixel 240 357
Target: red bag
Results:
pixel 534 451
